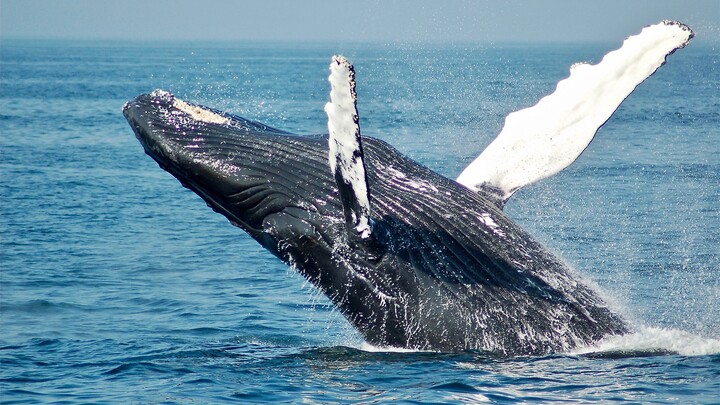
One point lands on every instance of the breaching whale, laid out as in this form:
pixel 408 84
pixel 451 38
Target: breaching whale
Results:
pixel 411 258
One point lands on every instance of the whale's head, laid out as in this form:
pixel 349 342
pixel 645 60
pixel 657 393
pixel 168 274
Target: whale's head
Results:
pixel 272 184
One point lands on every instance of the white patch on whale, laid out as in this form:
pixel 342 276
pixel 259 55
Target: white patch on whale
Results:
pixel 199 113
pixel 486 219
pixel 195 112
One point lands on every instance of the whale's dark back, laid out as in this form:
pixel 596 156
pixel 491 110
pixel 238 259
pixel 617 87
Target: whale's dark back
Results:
pixel 449 270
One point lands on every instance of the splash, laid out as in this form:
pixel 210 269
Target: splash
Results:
pixel 367 347
pixel 645 340
pixel 652 339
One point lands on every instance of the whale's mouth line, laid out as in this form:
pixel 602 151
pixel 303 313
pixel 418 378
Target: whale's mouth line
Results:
pixel 178 173
pixel 212 201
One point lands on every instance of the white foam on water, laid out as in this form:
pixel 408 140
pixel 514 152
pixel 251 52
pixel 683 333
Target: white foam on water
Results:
pixel 367 347
pixel 645 340
pixel 648 339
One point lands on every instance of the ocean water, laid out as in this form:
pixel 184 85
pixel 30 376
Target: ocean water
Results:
pixel 119 285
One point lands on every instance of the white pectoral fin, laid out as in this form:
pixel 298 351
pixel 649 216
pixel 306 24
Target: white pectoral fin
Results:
pixel 346 155
pixel 541 140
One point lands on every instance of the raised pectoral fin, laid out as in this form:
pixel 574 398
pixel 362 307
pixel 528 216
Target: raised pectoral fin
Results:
pixel 540 141
pixel 346 154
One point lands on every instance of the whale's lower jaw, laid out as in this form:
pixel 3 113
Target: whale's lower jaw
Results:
pixel 447 271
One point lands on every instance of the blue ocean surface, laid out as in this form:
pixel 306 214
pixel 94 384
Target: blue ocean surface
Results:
pixel 117 285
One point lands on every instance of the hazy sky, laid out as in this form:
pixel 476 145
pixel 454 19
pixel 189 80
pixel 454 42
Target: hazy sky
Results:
pixel 343 20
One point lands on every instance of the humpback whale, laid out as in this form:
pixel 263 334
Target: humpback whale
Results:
pixel 411 258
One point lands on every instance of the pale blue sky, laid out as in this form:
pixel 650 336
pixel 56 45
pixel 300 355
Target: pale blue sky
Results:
pixel 342 20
